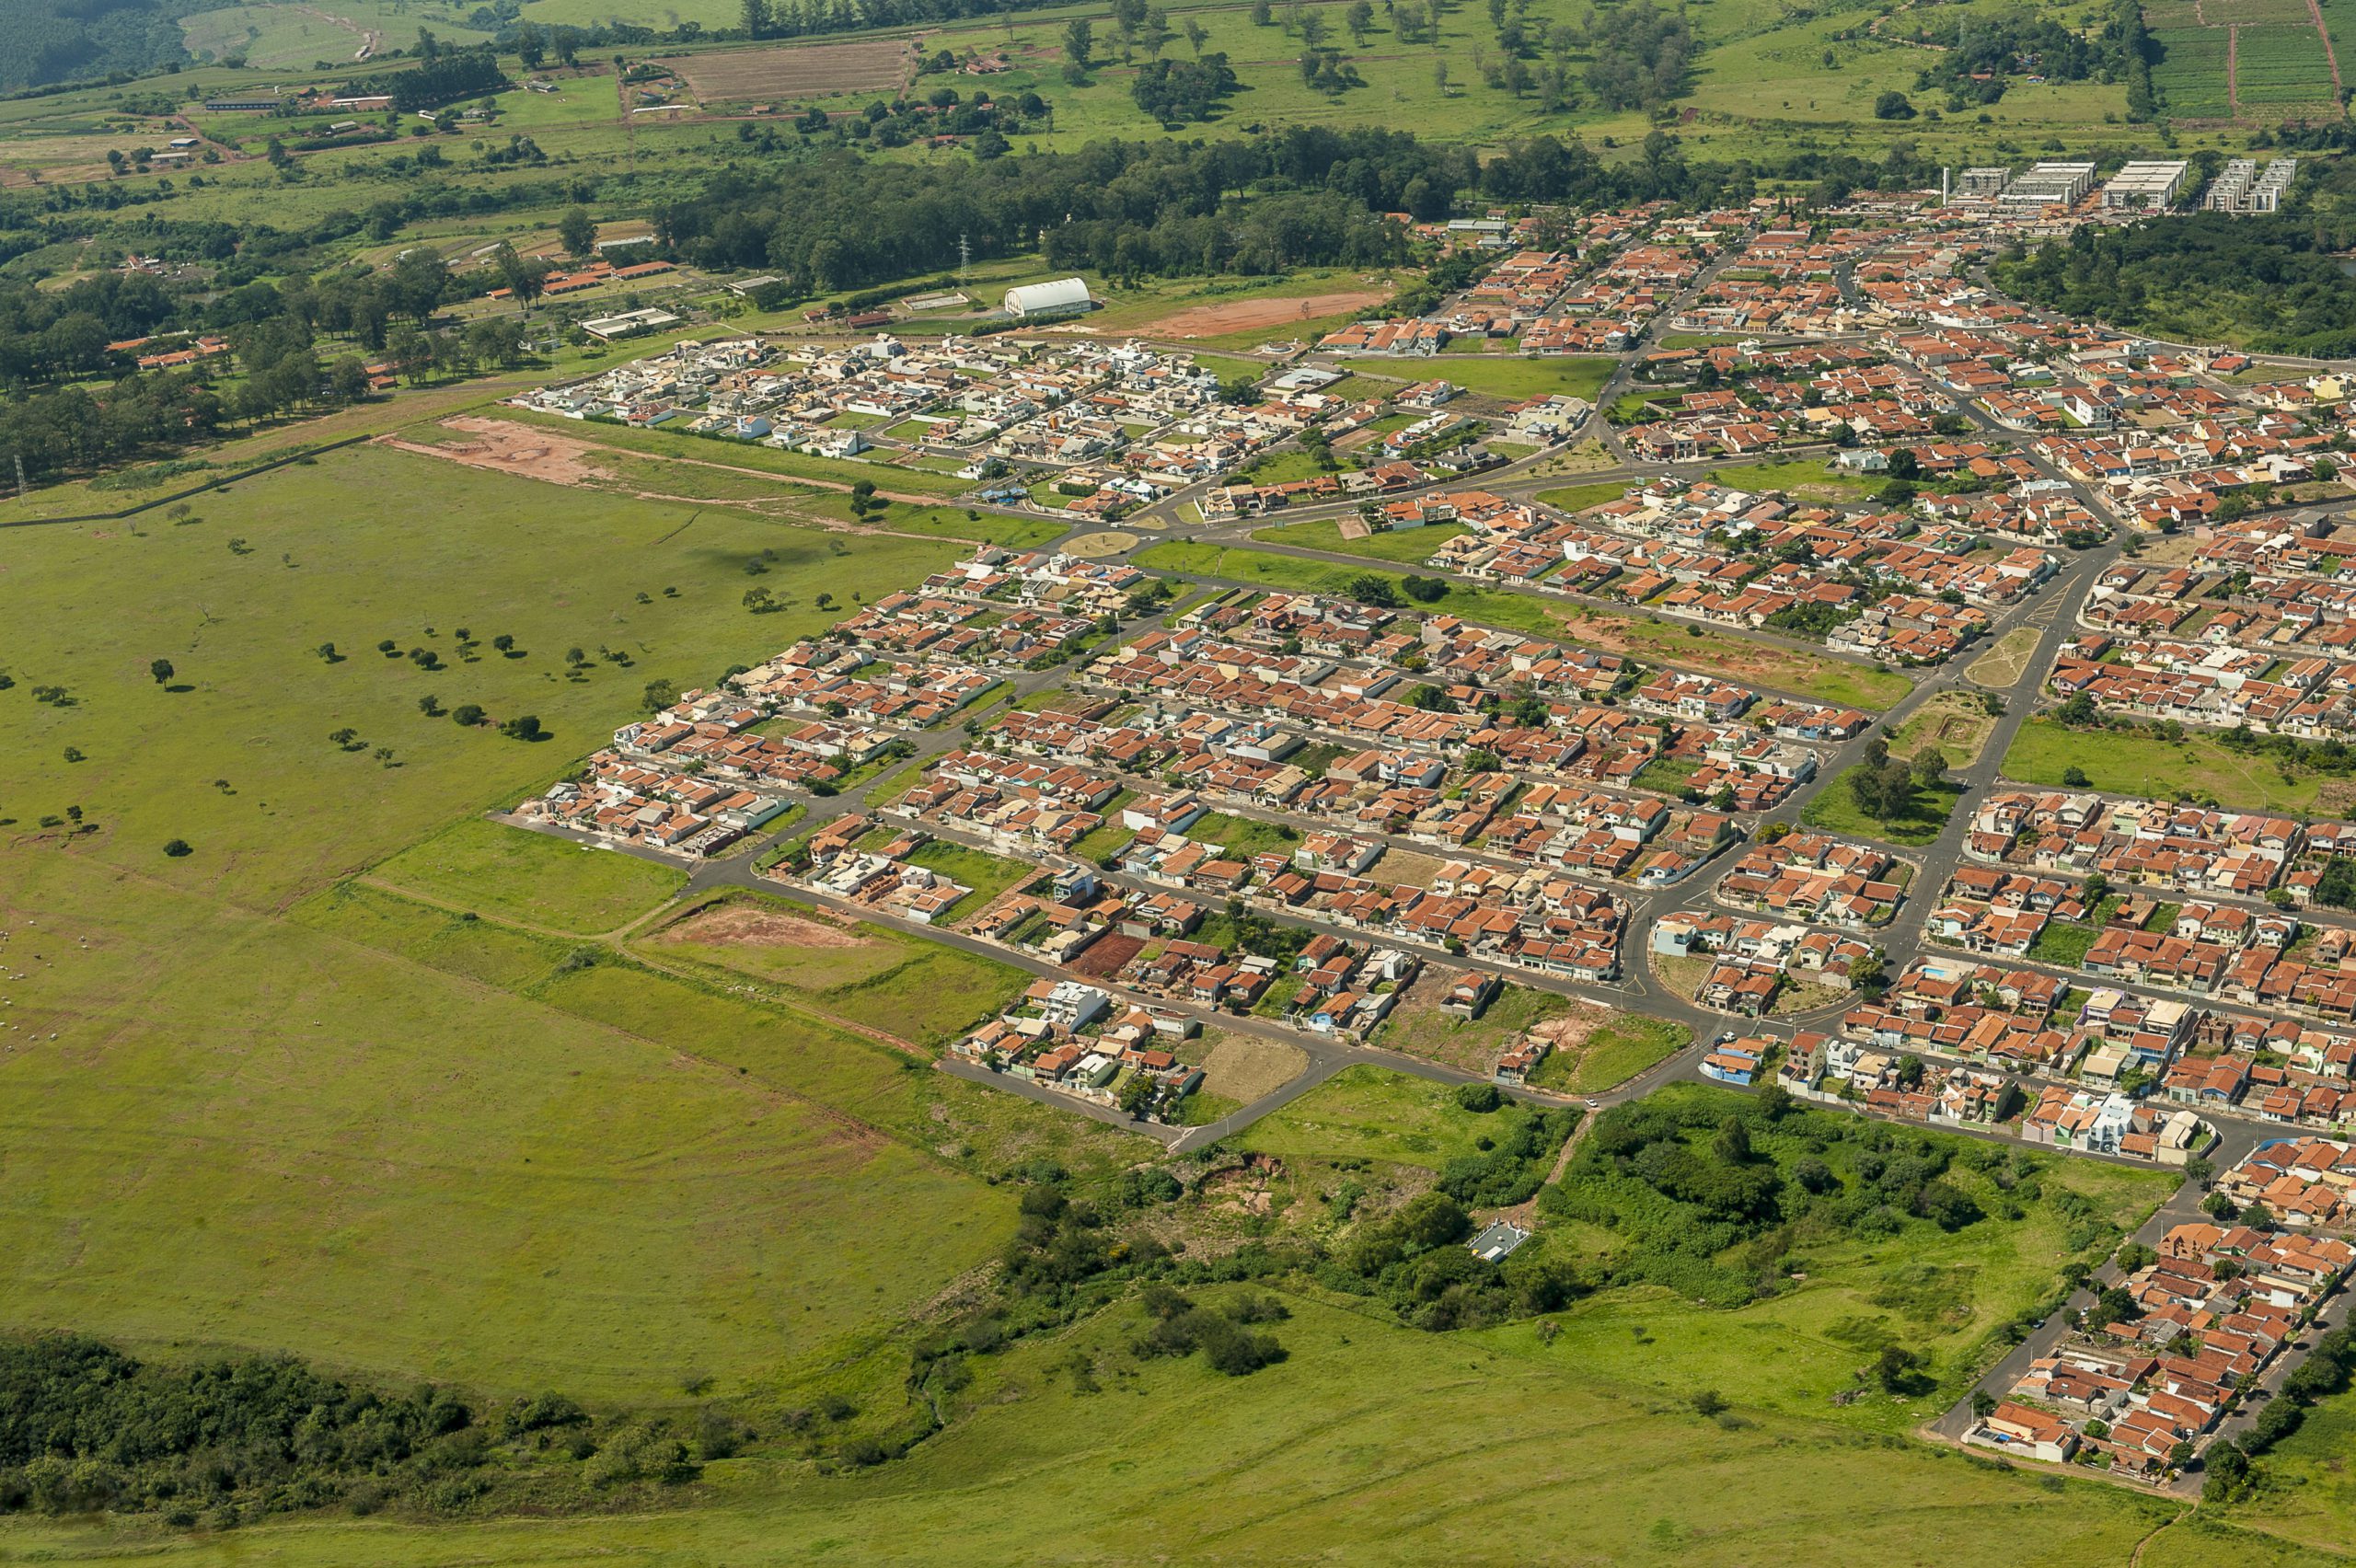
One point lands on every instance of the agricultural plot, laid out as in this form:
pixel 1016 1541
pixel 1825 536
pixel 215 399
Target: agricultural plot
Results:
pixel 2190 75
pixel 792 73
pixel 2279 68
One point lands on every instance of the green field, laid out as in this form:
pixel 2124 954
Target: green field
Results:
pixel 1612 1054
pixel 918 992
pixel 1499 377
pixel 2196 767
pixel 1408 546
pixel 1806 476
pixel 1835 809
pixel 530 878
pixel 1579 498
pixel 1371 1113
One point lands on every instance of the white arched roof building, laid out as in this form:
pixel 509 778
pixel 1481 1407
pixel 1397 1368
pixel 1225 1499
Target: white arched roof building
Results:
pixel 1058 298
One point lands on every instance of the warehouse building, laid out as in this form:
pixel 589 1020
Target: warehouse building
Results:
pixel 1037 302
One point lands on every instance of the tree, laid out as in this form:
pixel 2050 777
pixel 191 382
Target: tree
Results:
pixel 1079 45
pixel 176 848
pixel 1196 35
pixel 1983 1405
pixel 1898 1369
pixel 530 49
pixel 1479 1097
pixel 1369 588
pixel 579 233
pixel 2227 1470
pixel 1893 105
pixel 1136 1096
pixel 1930 767
pixel 327 652
pixel 523 727
pixel 348 378
pixel 467 714
pixel 503 642
pixel 161 669
pixel 1358 19
pixel 1869 976
pixel 430 705
pixel 2075 778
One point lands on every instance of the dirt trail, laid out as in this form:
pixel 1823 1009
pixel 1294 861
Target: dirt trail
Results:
pixel 2316 11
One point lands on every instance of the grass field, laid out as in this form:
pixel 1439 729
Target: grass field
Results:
pixel 1409 546
pixel 530 878
pixel 446 549
pixel 1034 1469
pixel 2196 767
pixel 1612 1055
pixel 1808 477
pixel 1794 670
pixel 1372 1113
pixel 1499 377
pixel 1836 811
pixel 919 992
pixel 354 1127
pixel 1579 498
pixel 266 1131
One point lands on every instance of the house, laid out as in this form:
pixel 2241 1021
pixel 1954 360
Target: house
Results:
pixel 2018 1429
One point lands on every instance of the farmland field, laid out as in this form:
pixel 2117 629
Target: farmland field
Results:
pixel 792 72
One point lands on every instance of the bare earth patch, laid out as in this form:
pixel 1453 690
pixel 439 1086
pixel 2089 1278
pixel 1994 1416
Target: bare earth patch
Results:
pixel 514 449
pixel 1242 1067
pixel 1254 315
pixel 737 926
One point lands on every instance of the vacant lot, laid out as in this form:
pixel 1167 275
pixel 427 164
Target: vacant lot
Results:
pixel 919 992
pixel 1596 1050
pixel 531 877
pixel 2195 768
pixel 1228 317
pixel 1835 809
pixel 1954 721
pixel 1418 1027
pixel 1501 375
pixel 793 71
pixel 1242 1067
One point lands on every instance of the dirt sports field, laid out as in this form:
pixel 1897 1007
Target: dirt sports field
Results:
pixel 794 70
pixel 1254 315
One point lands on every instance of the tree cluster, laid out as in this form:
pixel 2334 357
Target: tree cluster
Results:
pixel 2272 282
pixel 86 1426
pixel 1177 90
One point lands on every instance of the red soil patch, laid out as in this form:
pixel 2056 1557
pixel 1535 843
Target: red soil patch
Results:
pixel 1253 315
pixel 1106 956
pixel 739 927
